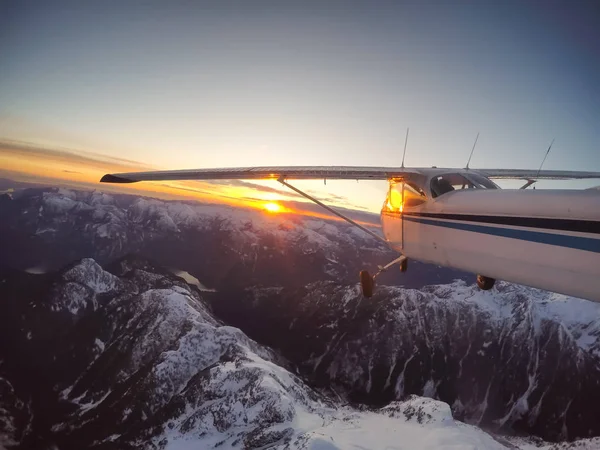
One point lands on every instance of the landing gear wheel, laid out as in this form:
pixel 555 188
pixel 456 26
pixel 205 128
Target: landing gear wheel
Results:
pixel 485 283
pixel 367 283
pixel 404 265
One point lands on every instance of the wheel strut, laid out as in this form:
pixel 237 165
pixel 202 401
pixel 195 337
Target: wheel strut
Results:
pixel 402 260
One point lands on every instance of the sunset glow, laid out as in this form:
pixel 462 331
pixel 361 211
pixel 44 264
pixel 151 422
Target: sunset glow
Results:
pixel 273 207
pixel 79 169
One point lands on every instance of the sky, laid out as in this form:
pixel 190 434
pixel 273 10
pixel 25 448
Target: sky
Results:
pixel 189 84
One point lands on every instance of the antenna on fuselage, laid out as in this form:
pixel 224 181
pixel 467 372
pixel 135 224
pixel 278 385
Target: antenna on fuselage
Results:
pixel 529 182
pixel 534 180
pixel 405 142
pixel 472 150
pixel 544 160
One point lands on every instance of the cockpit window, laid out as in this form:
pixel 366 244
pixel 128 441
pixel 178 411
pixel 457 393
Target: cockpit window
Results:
pixel 443 184
pixel 397 200
pixel 481 181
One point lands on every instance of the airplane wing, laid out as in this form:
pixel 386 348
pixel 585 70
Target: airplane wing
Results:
pixel 535 175
pixel 264 173
pixel 332 172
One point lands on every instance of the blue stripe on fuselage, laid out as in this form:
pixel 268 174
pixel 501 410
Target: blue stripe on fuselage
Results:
pixel 561 240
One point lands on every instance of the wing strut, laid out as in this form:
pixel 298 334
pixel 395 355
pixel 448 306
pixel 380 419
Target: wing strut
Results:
pixel 529 183
pixel 331 210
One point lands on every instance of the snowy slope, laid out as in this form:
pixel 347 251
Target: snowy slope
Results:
pixel 117 219
pixel 155 369
pixel 217 244
pixel 141 362
pixel 130 356
pixel 510 359
pixel 417 423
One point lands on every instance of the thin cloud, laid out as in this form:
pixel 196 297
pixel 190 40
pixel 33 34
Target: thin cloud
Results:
pixel 337 199
pixel 26 150
pixel 301 208
pixel 90 165
pixel 313 209
pixel 199 191
pixel 325 197
pixel 258 187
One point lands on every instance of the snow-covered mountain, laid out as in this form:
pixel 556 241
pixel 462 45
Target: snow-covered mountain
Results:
pixel 130 354
pixel 44 229
pixel 510 359
pixel 135 359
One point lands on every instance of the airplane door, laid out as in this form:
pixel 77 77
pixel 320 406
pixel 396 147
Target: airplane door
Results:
pixel 408 200
pixel 391 216
pixel 402 216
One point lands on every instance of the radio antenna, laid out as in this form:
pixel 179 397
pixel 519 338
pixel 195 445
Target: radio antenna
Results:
pixel 472 150
pixel 405 142
pixel 545 156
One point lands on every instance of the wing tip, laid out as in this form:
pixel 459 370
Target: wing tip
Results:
pixel 109 178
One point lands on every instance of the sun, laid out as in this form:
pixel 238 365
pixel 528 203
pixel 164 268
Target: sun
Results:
pixel 272 207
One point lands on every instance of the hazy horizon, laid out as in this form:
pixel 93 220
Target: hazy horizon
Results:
pixel 189 85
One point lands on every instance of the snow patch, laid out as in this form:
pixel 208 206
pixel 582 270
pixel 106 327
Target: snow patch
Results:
pixel 99 344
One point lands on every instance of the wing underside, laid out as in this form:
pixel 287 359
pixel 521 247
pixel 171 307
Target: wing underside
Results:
pixel 334 172
pixel 525 174
pixel 264 173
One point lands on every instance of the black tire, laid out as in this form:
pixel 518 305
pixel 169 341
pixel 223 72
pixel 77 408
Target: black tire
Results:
pixel 485 283
pixel 367 284
pixel 404 266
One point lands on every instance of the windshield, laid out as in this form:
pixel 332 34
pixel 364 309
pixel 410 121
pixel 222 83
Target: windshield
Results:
pixel 443 184
pixel 481 181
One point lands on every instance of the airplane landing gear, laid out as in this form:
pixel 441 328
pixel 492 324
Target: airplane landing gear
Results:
pixel 404 265
pixel 367 282
pixel 485 283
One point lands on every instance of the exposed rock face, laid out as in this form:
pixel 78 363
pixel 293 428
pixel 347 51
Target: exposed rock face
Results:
pixel 512 359
pixel 119 359
pixel 85 354
pixel 15 415
pixel 135 359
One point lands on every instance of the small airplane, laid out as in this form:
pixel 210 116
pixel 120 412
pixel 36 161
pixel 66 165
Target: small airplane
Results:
pixel 459 218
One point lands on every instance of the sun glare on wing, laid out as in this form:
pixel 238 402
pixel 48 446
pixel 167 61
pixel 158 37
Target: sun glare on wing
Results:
pixel 272 207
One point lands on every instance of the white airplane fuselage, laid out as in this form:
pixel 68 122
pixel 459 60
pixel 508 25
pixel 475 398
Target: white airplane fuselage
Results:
pixel 548 239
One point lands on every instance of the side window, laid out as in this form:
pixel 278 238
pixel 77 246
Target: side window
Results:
pixel 443 184
pixel 482 182
pixel 413 196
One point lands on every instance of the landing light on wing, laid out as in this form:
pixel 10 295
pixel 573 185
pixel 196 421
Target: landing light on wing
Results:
pixel 395 201
pixel 395 207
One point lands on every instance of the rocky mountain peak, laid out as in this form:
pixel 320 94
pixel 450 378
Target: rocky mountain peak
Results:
pixel 103 346
pixel 151 367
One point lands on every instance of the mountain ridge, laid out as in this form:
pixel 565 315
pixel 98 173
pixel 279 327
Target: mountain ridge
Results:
pixel 152 368
pixel 290 283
